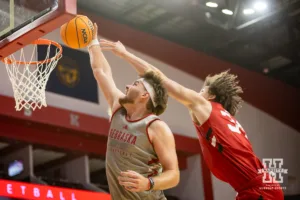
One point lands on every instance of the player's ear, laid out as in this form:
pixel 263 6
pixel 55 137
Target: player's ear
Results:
pixel 211 97
pixel 145 94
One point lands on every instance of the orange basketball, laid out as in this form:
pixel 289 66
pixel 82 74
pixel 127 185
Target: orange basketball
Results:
pixel 78 32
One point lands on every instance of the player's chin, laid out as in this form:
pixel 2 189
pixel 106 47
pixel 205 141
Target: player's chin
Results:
pixel 125 100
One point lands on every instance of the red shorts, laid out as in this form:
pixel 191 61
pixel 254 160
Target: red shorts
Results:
pixel 262 193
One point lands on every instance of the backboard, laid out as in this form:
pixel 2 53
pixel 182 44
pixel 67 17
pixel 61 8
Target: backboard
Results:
pixel 23 21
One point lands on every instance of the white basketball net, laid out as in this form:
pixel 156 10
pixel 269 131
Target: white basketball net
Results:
pixel 29 78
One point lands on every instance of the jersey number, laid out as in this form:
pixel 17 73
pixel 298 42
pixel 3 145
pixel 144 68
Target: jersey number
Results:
pixel 236 128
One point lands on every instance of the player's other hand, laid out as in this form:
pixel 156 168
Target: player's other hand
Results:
pixel 116 47
pixel 133 181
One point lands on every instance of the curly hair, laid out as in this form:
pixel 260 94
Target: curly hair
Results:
pixel 161 95
pixel 225 87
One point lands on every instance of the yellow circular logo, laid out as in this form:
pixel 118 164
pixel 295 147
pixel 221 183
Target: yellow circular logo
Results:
pixel 68 72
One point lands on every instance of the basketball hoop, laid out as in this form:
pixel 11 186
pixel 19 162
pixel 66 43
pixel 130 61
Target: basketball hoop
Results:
pixel 29 78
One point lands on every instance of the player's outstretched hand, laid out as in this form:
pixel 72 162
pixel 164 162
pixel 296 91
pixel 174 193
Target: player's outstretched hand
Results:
pixel 116 47
pixel 133 181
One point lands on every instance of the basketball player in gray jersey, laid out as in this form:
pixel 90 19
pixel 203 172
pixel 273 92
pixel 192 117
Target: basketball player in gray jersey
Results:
pixel 141 159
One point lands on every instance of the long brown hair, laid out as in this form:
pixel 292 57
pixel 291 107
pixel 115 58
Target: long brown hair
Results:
pixel 225 87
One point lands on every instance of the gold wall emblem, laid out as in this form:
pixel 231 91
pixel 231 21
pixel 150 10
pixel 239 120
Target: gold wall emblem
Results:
pixel 68 72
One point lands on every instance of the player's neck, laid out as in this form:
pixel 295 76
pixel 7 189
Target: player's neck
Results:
pixel 136 111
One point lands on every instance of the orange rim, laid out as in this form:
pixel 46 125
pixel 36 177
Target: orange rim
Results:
pixel 37 42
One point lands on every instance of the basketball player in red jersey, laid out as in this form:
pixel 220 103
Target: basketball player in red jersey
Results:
pixel 224 143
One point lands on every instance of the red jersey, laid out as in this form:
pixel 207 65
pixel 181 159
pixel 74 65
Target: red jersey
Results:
pixel 227 150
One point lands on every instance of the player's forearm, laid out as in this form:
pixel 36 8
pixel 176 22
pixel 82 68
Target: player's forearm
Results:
pixel 98 60
pixel 139 64
pixel 177 91
pixel 168 179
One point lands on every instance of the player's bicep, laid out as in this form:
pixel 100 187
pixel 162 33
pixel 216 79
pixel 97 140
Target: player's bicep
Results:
pixel 108 87
pixel 164 145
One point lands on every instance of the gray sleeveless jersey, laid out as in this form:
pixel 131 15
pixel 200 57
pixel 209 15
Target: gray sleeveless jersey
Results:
pixel 128 148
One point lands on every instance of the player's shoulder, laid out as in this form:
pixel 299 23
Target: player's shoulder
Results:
pixel 160 127
pixel 216 105
pixel 158 124
pixel 116 110
pixel 217 113
pixel 218 109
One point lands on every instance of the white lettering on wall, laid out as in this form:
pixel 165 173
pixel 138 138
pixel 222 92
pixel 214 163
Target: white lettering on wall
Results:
pixel 9 188
pixel 36 192
pixel 74 120
pixel 28 112
pixel 73 196
pixel 61 195
pixel 49 194
pixel 23 189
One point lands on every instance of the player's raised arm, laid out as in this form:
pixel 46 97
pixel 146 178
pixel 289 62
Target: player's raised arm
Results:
pixel 102 72
pixel 182 94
